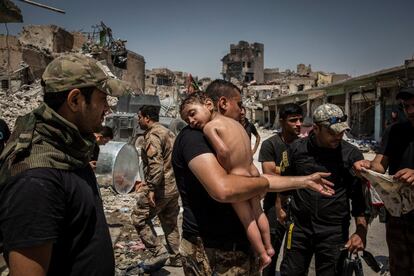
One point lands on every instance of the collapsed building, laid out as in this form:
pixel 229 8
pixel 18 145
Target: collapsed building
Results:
pixel 24 57
pixel 245 62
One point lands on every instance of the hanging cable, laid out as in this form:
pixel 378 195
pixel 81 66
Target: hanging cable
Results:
pixel 8 61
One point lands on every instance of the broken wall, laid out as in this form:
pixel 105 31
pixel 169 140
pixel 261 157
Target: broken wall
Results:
pixel 49 37
pixel 37 60
pixel 78 40
pixel 135 73
pixel 14 53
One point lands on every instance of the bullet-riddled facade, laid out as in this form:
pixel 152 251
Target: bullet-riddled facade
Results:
pixel 245 62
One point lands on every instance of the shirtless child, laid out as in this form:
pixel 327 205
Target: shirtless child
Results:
pixel 232 145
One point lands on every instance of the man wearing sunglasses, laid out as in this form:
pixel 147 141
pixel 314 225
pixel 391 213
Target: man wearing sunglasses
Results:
pixel 320 225
pixel 397 156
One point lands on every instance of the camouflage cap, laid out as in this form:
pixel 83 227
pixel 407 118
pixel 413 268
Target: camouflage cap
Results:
pixel 72 71
pixel 331 116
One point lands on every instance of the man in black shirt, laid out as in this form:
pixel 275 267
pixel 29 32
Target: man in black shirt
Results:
pixel 214 241
pixel 397 156
pixel 51 216
pixel 271 155
pixel 320 225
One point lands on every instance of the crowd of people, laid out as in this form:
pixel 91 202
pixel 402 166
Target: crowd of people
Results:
pixel 51 215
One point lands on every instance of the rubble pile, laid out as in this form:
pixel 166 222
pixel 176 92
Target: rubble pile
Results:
pixel 24 100
pixel 23 59
pixel 20 102
pixel 128 249
pixel 364 145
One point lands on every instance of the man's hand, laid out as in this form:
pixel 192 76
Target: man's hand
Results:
pixel 360 165
pixel 405 176
pixel 358 240
pixel 356 243
pixel 318 183
pixel 93 165
pixel 151 198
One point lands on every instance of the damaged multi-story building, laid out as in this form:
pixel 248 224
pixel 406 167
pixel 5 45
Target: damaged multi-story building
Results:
pixel 245 62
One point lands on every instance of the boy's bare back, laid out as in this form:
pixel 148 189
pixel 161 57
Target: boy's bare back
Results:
pixel 234 137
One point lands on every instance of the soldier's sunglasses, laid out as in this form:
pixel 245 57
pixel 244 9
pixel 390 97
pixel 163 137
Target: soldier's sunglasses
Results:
pixel 334 120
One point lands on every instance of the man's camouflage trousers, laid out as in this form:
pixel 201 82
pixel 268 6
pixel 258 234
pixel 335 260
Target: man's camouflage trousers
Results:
pixel 200 261
pixel 167 210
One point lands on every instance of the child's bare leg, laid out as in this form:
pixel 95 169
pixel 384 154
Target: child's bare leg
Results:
pixel 263 224
pixel 246 215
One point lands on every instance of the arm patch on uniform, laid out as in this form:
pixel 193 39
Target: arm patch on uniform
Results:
pixel 151 150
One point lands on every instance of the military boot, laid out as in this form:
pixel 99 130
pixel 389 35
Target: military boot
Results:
pixel 174 261
pixel 155 262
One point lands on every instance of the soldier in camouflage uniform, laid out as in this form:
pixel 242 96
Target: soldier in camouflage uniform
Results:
pixel 51 216
pixel 158 196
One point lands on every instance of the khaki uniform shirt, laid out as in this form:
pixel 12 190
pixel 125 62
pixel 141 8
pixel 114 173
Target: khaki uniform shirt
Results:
pixel 156 157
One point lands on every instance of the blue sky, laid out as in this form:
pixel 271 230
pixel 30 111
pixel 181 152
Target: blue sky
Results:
pixel 342 36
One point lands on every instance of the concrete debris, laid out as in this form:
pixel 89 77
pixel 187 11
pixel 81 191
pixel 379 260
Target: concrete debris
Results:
pixel 364 145
pixel 24 100
pixel 128 248
pixel 21 102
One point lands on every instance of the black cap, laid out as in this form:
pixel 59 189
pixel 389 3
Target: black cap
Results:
pixel 405 93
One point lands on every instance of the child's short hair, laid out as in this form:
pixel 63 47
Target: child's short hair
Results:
pixel 197 97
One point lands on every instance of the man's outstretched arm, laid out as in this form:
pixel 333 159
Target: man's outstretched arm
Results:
pixel 315 181
pixel 229 188
pixel 378 164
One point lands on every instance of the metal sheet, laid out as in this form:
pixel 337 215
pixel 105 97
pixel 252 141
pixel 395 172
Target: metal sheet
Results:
pixel 118 165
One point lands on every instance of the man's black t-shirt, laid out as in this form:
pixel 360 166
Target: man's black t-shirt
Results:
pixel 203 216
pixel 250 129
pixel 271 151
pixel 399 147
pixel 63 207
pixel 313 210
